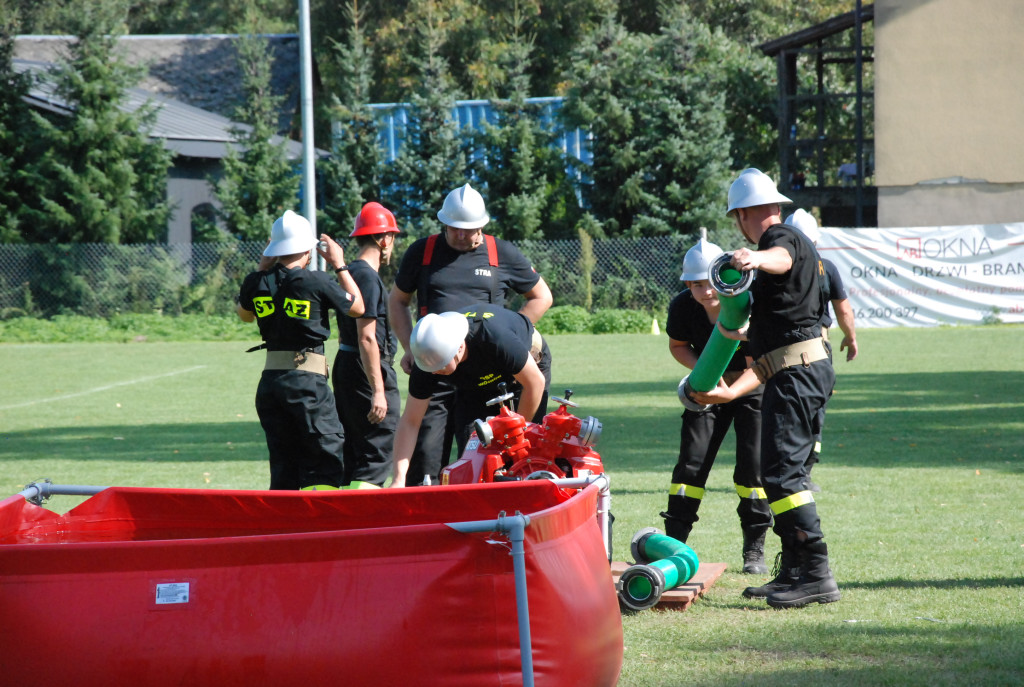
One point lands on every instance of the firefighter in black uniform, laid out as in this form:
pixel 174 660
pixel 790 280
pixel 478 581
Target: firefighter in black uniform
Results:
pixel 789 298
pixel 691 319
pixel 365 384
pixel 474 349
pixel 291 306
pixel 459 267
pixel 845 318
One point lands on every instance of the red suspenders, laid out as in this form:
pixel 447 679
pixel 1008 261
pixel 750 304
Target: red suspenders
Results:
pixel 428 254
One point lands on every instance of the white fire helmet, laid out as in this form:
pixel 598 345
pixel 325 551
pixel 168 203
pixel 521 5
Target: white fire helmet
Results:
pixel 436 339
pixel 698 260
pixel 464 209
pixel 291 234
pixel 805 222
pixel 752 188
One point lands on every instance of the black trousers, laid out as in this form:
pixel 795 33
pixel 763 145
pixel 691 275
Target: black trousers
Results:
pixel 304 435
pixel 369 448
pixel 700 438
pixel 791 416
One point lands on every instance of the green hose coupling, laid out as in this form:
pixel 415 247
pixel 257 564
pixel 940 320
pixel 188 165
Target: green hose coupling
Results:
pixel 732 286
pixel 663 563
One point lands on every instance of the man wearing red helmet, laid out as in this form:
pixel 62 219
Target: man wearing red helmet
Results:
pixel 365 384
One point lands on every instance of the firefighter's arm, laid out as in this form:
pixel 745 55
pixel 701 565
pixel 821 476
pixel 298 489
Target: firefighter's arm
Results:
pixel 401 322
pixel 532 380
pixel 845 318
pixel 734 334
pixel 405 437
pixel 775 260
pixel 682 352
pixel 245 315
pixel 538 300
pixel 724 393
pixel 332 252
pixel 369 356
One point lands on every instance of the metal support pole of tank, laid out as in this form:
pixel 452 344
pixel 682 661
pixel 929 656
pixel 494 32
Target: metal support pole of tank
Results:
pixel 38 492
pixel 604 503
pixel 515 528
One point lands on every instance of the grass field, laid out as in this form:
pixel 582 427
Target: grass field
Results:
pixel 922 472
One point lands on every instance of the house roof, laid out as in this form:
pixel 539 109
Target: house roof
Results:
pixel 185 130
pixel 193 82
pixel 201 71
pixel 827 28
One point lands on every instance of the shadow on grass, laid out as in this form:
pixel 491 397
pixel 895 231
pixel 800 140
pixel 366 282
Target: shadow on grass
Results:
pixel 939 419
pixel 139 443
pixel 952 583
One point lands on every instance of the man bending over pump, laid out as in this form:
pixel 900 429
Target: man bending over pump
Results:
pixel 476 349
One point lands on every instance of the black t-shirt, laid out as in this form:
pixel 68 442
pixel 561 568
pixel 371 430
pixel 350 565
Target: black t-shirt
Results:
pixel 295 315
pixel 688 321
pixel 789 307
pixel 375 301
pixel 454 280
pixel 497 346
pixel 836 290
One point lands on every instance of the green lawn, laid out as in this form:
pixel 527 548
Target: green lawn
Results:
pixel 921 475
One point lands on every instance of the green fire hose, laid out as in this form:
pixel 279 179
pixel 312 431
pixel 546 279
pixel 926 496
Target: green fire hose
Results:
pixel 732 286
pixel 663 563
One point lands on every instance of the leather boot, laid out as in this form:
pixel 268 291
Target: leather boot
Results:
pixel 816 584
pixel 680 516
pixel 677 528
pixel 785 571
pixel 753 552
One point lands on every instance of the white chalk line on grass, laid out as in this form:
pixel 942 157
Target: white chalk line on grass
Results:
pixel 98 389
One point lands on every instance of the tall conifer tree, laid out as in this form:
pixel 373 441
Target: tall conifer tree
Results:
pixel 519 163
pixel 352 174
pixel 102 179
pixel 259 182
pixel 432 161
pixel 15 132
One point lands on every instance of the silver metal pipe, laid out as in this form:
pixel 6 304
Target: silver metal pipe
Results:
pixel 515 528
pixel 39 492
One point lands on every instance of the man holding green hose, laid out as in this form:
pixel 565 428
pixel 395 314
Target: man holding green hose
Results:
pixel 788 307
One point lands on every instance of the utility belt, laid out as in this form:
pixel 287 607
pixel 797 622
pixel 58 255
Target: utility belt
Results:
pixel 800 353
pixel 388 359
pixel 297 360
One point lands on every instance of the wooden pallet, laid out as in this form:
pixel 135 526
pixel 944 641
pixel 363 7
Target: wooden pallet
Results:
pixel 681 597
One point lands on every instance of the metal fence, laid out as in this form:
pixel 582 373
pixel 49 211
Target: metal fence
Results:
pixel 101 280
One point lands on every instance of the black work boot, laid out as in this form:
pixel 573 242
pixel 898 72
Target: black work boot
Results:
pixel 816 584
pixel 677 528
pixel 753 552
pixel 786 572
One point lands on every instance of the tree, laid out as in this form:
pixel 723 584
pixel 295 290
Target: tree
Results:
pixel 528 192
pixel 16 183
pixel 655 108
pixel 101 177
pixel 352 174
pixel 259 183
pixel 431 161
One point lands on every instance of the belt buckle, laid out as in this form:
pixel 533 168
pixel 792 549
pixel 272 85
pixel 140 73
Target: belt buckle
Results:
pixel 299 359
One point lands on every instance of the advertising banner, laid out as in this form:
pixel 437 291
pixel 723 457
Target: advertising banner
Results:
pixel 924 276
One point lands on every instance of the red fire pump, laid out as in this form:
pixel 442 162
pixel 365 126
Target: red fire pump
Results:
pixel 506 447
